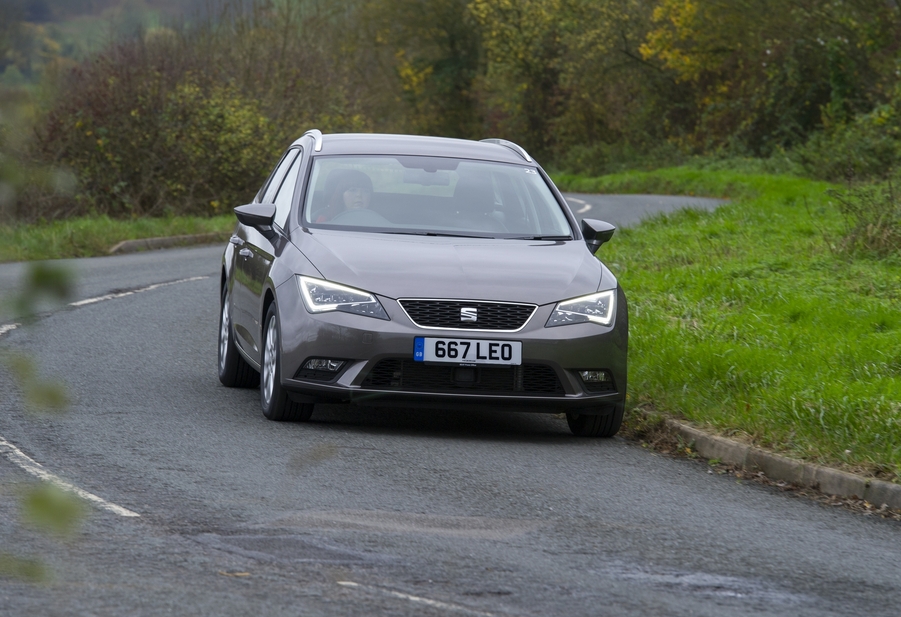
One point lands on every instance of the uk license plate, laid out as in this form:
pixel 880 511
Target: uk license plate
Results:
pixel 466 351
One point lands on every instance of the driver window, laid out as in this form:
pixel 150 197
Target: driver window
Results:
pixel 285 195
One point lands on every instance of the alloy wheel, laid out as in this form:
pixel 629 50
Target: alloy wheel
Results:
pixel 224 330
pixel 269 359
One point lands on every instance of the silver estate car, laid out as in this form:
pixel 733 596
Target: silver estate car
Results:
pixel 421 271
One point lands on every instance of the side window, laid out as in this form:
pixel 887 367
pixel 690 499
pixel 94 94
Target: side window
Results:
pixel 276 179
pixel 271 179
pixel 286 193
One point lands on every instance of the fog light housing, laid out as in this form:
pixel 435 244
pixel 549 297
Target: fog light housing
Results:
pixel 597 381
pixel 595 376
pixel 323 364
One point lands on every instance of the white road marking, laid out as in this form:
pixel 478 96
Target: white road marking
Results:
pixel 419 600
pixel 18 458
pixel 578 201
pixel 134 291
pixel 10 327
pixel 584 209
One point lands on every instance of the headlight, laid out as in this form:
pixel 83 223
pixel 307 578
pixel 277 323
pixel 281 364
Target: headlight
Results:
pixel 321 297
pixel 599 308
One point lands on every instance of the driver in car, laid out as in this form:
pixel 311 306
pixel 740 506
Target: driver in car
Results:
pixel 353 191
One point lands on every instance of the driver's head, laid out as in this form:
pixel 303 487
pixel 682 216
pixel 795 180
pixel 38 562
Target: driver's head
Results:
pixel 352 191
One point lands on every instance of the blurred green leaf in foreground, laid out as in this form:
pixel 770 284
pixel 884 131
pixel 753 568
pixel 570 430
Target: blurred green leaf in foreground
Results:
pixel 44 507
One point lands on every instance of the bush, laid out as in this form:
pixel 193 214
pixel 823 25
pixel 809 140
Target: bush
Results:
pixel 600 159
pixel 147 135
pixel 868 147
pixel 872 219
pixel 190 121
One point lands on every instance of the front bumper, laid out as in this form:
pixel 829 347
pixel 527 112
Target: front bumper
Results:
pixel 379 367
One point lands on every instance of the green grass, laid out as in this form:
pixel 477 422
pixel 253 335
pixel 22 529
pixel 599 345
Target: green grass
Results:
pixel 748 321
pixel 93 236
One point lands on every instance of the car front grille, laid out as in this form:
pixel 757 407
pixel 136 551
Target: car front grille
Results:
pixel 499 316
pixel 407 375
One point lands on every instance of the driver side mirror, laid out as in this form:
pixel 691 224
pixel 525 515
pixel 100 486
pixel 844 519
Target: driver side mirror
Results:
pixel 259 216
pixel 596 233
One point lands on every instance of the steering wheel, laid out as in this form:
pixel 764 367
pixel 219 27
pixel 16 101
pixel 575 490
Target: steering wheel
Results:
pixel 365 218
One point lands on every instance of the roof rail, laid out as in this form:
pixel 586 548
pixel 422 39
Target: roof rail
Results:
pixel 512 146
pixel 316 134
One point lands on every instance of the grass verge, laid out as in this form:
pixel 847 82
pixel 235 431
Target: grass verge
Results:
pixel 93 236
pixel 748 320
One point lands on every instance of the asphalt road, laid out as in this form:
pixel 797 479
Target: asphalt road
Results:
pixel 624 210
pixel 378 511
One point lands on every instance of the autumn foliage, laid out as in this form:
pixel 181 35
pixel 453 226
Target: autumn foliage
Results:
pixel 190 119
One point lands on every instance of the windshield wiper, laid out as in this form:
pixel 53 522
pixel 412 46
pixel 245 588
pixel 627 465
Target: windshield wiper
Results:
pixel 540 238
pixel 435 234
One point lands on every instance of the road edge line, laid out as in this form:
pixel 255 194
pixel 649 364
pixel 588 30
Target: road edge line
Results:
pixel 447 606
pixel 32 467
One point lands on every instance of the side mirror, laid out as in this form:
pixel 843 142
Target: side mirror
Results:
pixel 596 233
pixel 256 215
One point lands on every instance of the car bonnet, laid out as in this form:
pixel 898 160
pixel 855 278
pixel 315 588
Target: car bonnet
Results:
pixel 399 266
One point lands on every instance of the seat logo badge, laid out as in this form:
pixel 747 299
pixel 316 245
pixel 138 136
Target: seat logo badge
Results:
pixel 469 314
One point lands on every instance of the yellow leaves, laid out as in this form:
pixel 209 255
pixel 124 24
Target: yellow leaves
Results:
pixel 556 34
pixel 218 135
pixel 683 38
pixel 412 79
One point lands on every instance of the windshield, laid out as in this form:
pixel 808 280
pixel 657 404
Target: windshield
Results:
pixel 430 195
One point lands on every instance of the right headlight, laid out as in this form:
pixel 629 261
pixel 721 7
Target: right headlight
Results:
pixel 323 296
pixel 599 308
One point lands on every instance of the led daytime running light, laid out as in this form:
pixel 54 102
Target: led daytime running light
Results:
pixel 599 308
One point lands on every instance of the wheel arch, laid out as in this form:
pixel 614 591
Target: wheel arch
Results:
pixel 268 300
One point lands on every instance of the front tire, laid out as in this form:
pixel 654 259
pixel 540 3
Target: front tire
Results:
pixel 234 371
pixel 605 425
pixel 273 397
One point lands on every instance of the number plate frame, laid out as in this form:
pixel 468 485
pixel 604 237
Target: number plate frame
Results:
pixel 469 352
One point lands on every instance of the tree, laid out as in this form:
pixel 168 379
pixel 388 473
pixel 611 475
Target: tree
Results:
pixel 433 51
pixel 766 73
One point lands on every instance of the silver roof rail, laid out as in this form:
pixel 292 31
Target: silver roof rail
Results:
pixel 509 144
pixel 316 134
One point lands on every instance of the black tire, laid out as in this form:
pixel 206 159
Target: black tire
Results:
pixel 273 397
pixel 234 371
pixel 603 425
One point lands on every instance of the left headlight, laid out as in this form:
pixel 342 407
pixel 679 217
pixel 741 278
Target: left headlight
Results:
pixel 599 308
pixel 322 296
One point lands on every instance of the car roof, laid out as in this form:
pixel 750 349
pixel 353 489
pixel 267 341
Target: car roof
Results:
pixel 375 143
